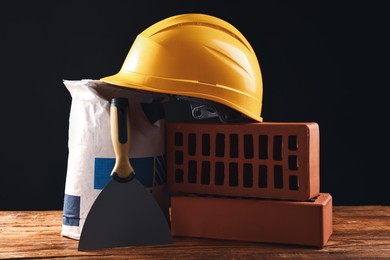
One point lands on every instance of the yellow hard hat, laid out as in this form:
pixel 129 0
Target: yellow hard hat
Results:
pixel 195 55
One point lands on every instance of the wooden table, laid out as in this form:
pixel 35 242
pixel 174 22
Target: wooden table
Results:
pixel 361 232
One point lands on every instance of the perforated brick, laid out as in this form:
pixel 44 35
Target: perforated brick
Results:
pixel 261 160
pixel 307 223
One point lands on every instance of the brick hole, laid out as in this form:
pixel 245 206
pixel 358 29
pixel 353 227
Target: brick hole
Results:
pixel 206 144
pixel 248 146
pixel 293 182
pixel 220 145
pixel 192 171
pixel 219 173
pixel 178 157
pixel 233 145
pixel 205 174
pixel 278 177
pixel 293 162
pixel 179 176
pixel 233 174
pixel 191 144
pixel 277 151
pixel 263 147
pixel 179 139
pixel 263 182
pixel 248 175
pixel 292 143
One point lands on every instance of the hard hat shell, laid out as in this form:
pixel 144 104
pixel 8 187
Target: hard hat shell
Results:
pixel 195 55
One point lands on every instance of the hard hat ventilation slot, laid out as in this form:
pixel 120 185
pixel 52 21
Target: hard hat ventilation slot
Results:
pixel 242 160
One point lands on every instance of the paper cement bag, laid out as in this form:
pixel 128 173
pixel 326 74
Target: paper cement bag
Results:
pixel 91 156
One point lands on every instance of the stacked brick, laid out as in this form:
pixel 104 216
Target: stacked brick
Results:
pixel 255 182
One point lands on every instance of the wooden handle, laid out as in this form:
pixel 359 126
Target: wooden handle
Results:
pixel 120 135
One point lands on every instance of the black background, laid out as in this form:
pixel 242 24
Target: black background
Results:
pixel 322 61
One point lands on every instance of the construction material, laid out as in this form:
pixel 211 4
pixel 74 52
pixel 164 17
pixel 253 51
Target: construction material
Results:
pixel 272 221
pixel 91 156
pixel 259 160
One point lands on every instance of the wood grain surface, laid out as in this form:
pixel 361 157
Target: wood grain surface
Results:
pixel 359 232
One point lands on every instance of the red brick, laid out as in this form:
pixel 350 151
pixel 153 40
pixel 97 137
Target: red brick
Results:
pixel 198 154
pixel 269 221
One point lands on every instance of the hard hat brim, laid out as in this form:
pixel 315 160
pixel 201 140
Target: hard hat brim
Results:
pixel 179 87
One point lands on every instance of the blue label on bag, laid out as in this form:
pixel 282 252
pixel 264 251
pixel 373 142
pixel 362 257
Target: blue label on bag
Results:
pixel 148 170
pixel 71 210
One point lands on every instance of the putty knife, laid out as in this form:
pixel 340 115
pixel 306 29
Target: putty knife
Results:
pixel 125 213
